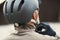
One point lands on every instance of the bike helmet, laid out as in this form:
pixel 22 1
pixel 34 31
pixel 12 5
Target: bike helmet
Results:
pixel 20 11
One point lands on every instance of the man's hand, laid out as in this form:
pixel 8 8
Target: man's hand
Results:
pixel 47 29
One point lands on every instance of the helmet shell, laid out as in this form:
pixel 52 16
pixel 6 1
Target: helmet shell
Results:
pixel 20 11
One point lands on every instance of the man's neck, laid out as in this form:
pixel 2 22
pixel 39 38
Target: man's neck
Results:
pixel 24 29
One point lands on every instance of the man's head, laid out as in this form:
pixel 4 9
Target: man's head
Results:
pixel 22 11
pixel 29 25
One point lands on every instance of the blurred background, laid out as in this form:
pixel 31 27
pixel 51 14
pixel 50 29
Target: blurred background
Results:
pixel 49 11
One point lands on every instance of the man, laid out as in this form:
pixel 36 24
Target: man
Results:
pixel 24 15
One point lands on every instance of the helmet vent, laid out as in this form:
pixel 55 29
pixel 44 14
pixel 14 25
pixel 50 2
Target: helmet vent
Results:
pixel 20 5
pixel 12 6
pixel 6 7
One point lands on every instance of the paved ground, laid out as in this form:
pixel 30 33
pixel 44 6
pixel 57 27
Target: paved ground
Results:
pixel 6 30
pixel 56 27
pixel 1 1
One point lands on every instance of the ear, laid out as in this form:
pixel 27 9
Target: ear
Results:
pixel 35 15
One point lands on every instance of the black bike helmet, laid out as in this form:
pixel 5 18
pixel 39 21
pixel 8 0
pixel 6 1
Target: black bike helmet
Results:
pixel 20 11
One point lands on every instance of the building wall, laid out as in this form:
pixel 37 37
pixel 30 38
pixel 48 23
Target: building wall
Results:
pixel 2 18
pixel 49 10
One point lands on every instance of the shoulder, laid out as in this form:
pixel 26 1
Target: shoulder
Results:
pixel 29 36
